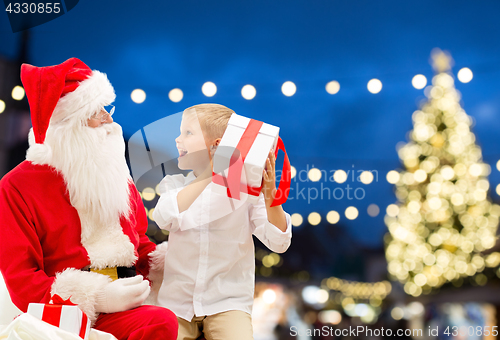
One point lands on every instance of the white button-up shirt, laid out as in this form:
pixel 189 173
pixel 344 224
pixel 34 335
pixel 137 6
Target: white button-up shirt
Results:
pixel 210 259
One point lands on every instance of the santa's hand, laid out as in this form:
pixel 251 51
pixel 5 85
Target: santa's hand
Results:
pixel 123 294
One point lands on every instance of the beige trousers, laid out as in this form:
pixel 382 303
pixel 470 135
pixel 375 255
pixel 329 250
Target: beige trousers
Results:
pixel 230 325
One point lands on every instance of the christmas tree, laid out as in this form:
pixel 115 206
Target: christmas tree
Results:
pixel 444 219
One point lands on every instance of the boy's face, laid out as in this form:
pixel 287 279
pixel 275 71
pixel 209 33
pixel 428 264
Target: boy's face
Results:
pixel 193 151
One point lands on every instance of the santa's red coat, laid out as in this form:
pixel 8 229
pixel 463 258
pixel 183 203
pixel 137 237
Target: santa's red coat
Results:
pixel 40 232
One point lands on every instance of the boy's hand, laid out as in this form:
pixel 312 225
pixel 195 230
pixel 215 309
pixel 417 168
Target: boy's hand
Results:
pixel 269 178
pixel 275 215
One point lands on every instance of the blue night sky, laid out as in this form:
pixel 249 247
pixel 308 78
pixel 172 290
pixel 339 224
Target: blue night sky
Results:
pixel 161 45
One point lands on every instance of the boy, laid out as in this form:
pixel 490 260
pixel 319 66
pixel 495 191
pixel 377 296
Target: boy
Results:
pixel 209 263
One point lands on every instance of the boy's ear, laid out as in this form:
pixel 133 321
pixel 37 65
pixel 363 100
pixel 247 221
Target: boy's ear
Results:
pixel 215 144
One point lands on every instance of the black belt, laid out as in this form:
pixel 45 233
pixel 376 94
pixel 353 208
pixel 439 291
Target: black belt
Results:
pixel 126 272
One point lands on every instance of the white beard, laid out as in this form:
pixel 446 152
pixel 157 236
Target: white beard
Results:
pixel 92 162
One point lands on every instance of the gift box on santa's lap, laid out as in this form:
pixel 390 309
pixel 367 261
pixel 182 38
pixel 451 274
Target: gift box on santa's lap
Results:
pixel 63 314
pixel 241 157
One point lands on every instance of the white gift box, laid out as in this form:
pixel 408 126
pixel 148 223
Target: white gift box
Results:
pixel 66 317
pixel 255 148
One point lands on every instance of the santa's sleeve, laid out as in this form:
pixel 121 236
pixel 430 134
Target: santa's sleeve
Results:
pixel 156 266
pixel 148 264
pixel 82 288
pixel 22 263
pixel 21 255
pixel 141 227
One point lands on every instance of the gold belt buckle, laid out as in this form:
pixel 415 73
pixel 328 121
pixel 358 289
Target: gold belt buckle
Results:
pixel 111 272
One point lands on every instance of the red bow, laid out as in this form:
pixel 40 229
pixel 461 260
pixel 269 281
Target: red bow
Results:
pixel 57 300
pixel 53 316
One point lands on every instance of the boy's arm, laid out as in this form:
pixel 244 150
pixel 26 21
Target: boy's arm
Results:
pixel 276 216
pixel 272 226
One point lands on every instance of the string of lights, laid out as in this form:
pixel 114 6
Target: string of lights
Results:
pixel 333 216
pixel 288 88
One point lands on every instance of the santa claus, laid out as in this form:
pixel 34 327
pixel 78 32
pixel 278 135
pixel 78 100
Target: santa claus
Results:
pixel 71 220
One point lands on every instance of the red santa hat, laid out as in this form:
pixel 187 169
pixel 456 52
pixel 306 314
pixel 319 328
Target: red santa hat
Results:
pixel 69 91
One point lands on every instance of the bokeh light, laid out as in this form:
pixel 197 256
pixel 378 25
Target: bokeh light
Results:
pixel 332 317
pixel 297 219
pixel 465 75
pixel 333 87
pixel 248 92
pixel 322 296
pixel 314 174
pixel 310 294
pixel 332 217
pixel 351 213
pixel 288 88
pixel 419 81
pixel 397 313
pixel 340 176
pixel 374 86
pixel 366 177
pixel 373 210
pixel 138 96
pixel 420 175
pixel 475 170
pixel 209 89
pixel 314 295
pixel 314 218
pixel 392 210
pixel 176 95
pixel 392 177
pixel 269 296
pixel 148 194
pixel 150 215
pixel 18 92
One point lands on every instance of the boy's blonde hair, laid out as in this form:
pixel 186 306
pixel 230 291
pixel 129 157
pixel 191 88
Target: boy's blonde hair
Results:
pixel 213 118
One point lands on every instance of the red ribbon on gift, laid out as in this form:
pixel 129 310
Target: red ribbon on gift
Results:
pixel 286 175
pixel 52 313
pixel 233 181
